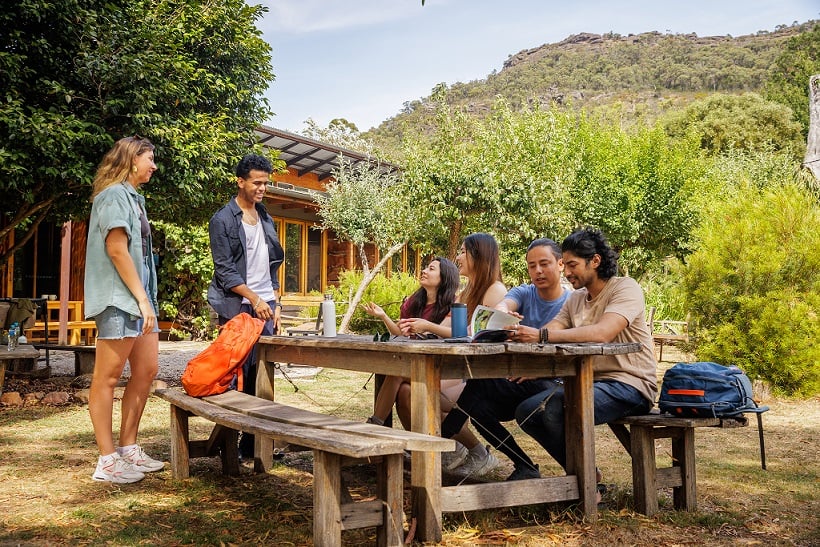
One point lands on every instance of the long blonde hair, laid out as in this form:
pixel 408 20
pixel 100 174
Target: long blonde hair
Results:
pixel 117 162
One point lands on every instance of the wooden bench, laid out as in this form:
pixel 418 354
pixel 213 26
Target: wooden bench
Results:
pixel 647 478
pixel 665 331
pixel 84 356
pixel 331 440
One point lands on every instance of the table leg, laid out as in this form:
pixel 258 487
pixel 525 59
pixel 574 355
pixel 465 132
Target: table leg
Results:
pixel 580 439
pixel 263 447
pixel 425 469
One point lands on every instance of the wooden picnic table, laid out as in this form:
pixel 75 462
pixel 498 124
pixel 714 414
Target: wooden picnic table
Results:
pixel 426 362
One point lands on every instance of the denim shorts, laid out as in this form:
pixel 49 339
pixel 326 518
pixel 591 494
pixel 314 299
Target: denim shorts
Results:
pixel 115 324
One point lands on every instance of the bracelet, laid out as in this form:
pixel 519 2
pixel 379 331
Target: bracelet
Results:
pixel 258 299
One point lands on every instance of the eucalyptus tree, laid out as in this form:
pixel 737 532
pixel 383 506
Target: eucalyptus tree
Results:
pixel 366 203
pixel 189 75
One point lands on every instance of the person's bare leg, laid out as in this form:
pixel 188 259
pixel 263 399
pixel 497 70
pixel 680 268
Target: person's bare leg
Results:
pixel 144 361
pixel 109 362
pixel 387 396
pixel 403 405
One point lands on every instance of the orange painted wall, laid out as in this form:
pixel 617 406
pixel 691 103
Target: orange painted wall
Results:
pixel 309 180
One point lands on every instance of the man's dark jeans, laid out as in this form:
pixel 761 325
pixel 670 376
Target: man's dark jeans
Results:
pixel 545 424
pixel 249 377
pixel 489 401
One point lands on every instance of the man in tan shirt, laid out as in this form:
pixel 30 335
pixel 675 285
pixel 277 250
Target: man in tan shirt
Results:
pixel 603 308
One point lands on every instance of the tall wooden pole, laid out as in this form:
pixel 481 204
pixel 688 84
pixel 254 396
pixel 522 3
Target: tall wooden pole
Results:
pixel 65 269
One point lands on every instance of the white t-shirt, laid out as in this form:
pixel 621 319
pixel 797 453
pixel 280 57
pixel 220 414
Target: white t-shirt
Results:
pixel 258 275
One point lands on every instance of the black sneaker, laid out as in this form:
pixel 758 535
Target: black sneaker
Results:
pixel 525 472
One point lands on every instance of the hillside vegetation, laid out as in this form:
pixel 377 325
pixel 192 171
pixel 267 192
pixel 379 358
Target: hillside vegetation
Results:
pixel 642 75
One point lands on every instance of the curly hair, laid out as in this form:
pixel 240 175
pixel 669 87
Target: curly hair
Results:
pixel 253 162
pixel 587 242
pixel 445 293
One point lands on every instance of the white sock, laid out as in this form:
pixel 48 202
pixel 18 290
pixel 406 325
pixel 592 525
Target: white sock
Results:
pixel 479 450
pixel 108 458
pixel 126 449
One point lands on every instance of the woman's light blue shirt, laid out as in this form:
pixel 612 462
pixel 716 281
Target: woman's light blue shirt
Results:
pixel 118 206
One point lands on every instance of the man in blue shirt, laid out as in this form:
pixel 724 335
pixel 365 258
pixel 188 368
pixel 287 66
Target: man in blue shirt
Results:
pixel 488 402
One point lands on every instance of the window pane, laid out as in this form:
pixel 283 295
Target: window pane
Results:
pixel 293 252
pixel 314 260
pixel 396 262
pixel 411 260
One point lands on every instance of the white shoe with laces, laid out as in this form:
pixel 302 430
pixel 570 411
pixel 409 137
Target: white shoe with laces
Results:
pixel 451 460
pixel 476 466
pixel 116 470
pixel 141 461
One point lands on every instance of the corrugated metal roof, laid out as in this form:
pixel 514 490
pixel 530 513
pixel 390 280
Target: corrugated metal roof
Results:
pixel 309 156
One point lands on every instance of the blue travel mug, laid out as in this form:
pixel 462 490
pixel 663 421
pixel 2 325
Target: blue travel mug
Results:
pixel 458 320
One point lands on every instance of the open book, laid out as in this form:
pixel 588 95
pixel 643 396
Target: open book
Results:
pixel 489 324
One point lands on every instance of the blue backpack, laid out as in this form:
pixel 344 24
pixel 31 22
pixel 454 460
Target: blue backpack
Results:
pixel 706 390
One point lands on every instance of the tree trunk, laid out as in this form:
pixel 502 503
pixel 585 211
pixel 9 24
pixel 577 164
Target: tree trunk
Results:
pixel 366 280
pixel 812 159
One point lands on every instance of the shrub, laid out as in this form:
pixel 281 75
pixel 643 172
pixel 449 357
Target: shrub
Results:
pixel 387 292
pixel 753 285
pixel 184 272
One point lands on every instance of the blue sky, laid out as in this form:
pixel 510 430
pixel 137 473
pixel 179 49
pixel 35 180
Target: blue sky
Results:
pixel 363 59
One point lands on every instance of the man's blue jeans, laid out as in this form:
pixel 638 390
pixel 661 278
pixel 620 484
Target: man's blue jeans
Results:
pixel 545 423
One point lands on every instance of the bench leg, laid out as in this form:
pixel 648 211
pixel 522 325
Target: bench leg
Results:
pixel 228 442
pixel 683 455
pixel 327 498
pixel 644 470
pixel 390 487
pixel 180 449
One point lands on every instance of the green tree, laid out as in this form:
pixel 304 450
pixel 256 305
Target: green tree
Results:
pixel 184 273
pixel 637 186
pixel 366 203
pixel 489 174
pixel 788 81
pixel 190 75
pixel 753 285
pixel 744 122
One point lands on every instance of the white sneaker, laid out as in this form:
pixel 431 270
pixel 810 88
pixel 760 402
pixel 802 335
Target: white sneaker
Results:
pixel 141 461
pixel 477 466
pixel 117 471
pixel 451 460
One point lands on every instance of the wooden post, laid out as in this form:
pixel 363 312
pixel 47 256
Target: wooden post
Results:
pixel 65 269
pixel 812 158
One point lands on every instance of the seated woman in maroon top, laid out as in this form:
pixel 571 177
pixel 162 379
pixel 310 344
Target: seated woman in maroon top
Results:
pixel 421 313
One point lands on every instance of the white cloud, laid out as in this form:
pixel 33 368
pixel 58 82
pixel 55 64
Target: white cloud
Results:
pixel 308 16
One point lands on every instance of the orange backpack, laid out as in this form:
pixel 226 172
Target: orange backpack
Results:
pixel 214 369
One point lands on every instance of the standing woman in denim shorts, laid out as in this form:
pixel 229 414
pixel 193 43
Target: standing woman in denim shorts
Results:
pixel 121 297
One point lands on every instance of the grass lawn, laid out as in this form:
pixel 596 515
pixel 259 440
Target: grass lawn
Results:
pixel 47 496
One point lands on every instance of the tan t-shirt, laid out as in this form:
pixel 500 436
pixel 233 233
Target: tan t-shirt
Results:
pixel 621 295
